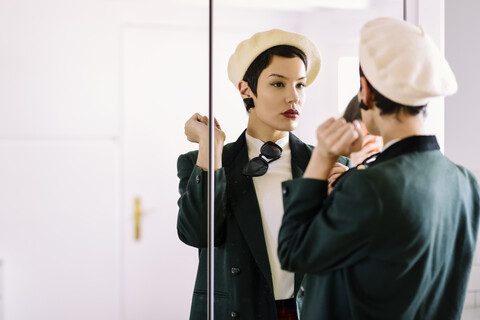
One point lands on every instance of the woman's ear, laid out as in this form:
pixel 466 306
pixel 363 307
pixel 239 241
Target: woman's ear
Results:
pixel 365 95
pixel 244 89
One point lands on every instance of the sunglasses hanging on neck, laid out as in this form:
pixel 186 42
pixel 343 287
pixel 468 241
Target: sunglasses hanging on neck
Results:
pixel 258 166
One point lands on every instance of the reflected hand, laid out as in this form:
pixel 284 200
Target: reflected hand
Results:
pixel 219 135
pixel 196 129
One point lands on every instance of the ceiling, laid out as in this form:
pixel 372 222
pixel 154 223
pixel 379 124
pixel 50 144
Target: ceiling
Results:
pixel 295 5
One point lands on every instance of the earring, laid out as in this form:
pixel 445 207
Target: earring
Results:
pixel 248 102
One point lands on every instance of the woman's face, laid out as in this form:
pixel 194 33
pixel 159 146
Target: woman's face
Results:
pixel 280 95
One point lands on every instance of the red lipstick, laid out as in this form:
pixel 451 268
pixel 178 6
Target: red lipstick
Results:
pixel 291 113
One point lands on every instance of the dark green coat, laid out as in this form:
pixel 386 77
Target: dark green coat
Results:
pixel 243 281
pixel 393 241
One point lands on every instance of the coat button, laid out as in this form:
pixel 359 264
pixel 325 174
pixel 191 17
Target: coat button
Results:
pixel 197 178
pixel 285 191
pixel 235 271
pixel 235 315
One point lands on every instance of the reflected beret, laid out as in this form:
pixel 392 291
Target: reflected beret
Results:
pixel 248 50
pixel 403 63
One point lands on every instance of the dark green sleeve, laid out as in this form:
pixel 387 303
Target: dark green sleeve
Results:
pixel 322 233
pixel 345 161
pixel 192 214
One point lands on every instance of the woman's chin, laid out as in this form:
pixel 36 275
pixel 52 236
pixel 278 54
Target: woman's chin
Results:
pixel 290 127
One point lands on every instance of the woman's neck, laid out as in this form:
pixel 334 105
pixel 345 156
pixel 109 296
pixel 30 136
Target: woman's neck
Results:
pixel 394 128
pixel 266 135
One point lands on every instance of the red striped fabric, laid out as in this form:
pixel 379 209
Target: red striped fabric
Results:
pixel 286 309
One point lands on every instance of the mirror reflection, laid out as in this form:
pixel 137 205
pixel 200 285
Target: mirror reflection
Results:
pixel 272 80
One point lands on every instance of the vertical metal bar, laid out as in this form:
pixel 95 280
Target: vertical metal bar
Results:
pixel 411 10
pixel 211 174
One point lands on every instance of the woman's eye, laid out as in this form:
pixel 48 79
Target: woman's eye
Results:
pixel 277 84
pixel 301 85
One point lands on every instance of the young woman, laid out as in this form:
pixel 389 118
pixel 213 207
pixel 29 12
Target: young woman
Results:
pixel 397 239
pixel 271 71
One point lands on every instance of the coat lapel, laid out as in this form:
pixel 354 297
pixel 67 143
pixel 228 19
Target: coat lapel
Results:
pixel 243 202
pixel 301 154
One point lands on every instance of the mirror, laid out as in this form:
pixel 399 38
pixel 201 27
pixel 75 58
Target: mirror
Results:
pixel 329 95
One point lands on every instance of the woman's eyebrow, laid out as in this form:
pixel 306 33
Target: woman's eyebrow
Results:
pixel 283 77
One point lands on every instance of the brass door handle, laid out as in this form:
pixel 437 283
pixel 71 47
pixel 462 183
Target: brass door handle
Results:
pixel 137 216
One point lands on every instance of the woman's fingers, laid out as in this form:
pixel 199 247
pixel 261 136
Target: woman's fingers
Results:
pixel 357 144
pixel 337 170
pixel 217 124
pixel 337 137
pixel 195 127
pixel 371 148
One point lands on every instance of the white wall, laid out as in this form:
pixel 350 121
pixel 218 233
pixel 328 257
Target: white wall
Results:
pixel 58 161
pixel 461 110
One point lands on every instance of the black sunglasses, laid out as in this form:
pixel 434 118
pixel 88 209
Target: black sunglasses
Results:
pixel 258 166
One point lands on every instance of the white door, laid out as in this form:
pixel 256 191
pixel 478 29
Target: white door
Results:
pixel 165 80
pixel 58 163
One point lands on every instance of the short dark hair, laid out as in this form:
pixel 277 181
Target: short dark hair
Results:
pixel 263 61
pixel 388 106
pixel 352 111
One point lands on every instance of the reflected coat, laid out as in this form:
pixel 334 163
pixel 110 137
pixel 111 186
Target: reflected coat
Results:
pixel 243 281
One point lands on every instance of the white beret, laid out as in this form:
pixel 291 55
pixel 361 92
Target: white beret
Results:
pixel 248 50
pixel 403 63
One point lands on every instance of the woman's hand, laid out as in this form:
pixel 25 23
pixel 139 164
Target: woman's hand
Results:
pixel 196 130
pixel 335 137
pixel 371 145
pixel 337 170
